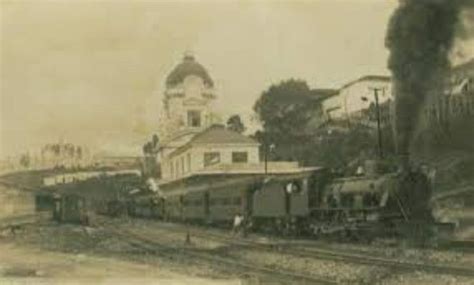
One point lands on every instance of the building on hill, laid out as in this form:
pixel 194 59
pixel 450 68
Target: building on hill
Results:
pixel 354 103
pixel 354 97
pixel 320 115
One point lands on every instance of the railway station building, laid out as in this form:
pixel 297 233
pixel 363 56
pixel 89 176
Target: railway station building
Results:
pixel 194 143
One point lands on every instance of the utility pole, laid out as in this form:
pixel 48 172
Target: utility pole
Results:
pixel 377 111
pixel 267 149
pixel 266 157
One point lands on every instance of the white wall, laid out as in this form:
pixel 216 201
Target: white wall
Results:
pixel 197 158
pixel 187 96
pixel 349 98
pixel 332 107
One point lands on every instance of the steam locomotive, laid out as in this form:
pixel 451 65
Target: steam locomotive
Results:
pixel 311 201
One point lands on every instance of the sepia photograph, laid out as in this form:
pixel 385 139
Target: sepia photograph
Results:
pixel 237 142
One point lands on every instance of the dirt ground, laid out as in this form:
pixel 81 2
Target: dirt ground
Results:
pixel 51 253
pixel 21 264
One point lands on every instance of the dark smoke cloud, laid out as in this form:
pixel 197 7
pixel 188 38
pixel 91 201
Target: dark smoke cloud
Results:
pixel 420 36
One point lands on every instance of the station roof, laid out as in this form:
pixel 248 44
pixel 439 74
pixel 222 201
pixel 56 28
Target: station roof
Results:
pixel 217 134
pixel 208 181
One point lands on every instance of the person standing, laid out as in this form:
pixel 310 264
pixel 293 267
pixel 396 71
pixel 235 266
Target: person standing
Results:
pixel 237 226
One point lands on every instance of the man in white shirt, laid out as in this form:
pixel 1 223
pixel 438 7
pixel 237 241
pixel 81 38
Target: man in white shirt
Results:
pixel 238 219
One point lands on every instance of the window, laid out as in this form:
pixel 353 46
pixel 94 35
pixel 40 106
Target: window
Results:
pixel 347 200
pixel 182 165
pixel 188 158
pixel 239 157
pixel 211 158
pixel 194 118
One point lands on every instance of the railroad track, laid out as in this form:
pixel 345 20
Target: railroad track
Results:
pixel 463 245
pixel 23 220
pixel 356 258
pixel 245 268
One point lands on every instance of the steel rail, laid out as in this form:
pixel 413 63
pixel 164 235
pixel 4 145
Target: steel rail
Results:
pixel 312 252
pixel 152 246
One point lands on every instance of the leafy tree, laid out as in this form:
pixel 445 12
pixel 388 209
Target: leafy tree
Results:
pixel 284 111
pixel 155 141
pixel 79 152
pixel 234 123
pixel 147 147
pixel 150 150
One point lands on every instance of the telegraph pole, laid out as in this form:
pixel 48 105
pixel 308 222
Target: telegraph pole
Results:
pixel 377 111
pixel 266 157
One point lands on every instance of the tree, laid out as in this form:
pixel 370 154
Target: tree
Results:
pixel 79 152
pixel 155 141
pixel 147 147
pixel 234 123
pixel 25 160
pixel 150 151
pixel 284 111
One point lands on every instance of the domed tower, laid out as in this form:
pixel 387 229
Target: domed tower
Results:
pixel 187 102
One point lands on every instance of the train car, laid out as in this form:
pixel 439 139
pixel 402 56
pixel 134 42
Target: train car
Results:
pixel 283 203
pixel 44 201
pixel 195 206
pixel 307 201
pixel 228 201
pixel 70 208
pixel 257 197
pixel 174 207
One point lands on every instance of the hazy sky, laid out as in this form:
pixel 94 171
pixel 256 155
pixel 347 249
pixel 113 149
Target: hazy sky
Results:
pixel 93 71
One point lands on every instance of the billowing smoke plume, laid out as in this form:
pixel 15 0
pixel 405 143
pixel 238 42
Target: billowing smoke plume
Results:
pixel 420 36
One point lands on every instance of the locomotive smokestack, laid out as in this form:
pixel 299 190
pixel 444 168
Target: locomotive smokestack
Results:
pixel 420 36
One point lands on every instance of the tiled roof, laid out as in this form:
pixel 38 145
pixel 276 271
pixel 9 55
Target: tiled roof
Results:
pixel 217 134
